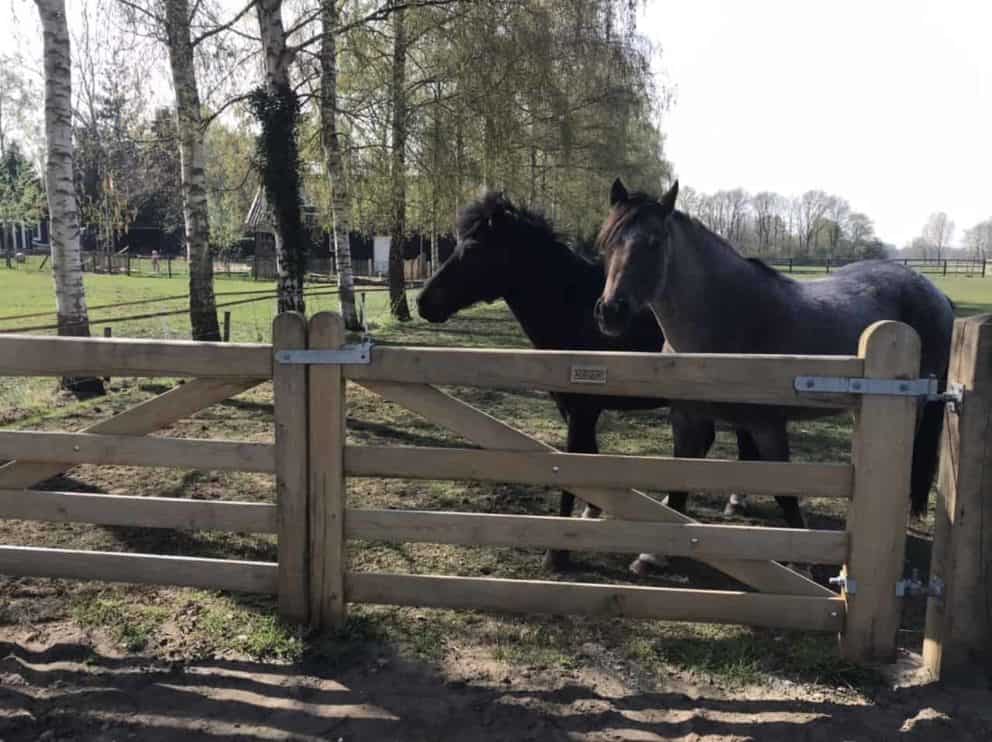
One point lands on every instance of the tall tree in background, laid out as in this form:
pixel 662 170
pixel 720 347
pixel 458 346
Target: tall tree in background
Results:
pixel 196 214
pixel 277 108
pixel 938 232
pixel 70 295
pixel 397 234
pixel 978 239
pixel 330 137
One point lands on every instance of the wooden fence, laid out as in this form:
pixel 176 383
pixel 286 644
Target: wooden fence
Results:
pixel 312 462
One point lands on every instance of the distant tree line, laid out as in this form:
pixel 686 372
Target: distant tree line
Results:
pixel 813 225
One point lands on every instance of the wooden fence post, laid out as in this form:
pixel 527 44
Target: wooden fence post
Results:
pixel 327 480
pixel 958 639
pixel 289 391
pixel 876 518
pixel 227 327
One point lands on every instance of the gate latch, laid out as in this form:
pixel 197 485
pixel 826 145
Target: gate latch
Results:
pixel 346 355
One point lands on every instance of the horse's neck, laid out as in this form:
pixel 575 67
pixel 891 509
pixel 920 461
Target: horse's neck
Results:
pixel 709 292
pixel 541 297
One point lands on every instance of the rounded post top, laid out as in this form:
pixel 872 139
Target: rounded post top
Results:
pixel 890 350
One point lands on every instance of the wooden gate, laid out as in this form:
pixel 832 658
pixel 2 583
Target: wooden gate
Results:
pixel 312 463
pixel 876 481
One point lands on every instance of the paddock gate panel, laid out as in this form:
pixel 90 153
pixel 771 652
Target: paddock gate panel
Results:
pixel 876 484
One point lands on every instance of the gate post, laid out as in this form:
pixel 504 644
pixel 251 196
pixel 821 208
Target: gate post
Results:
pixel 958 638
pixel 882 455
pixel 327 481
pixel 289 393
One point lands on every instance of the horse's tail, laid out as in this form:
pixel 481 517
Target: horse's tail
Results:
pixel 925 450
pixel 926 444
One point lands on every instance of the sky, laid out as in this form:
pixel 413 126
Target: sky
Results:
pixel 888 104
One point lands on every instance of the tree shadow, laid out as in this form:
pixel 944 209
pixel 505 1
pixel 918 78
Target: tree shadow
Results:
pixel 372 695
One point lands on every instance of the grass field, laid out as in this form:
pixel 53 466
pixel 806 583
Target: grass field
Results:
pixel 183 624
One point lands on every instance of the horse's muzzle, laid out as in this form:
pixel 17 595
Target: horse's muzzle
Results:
pixel 431 308
pixel 613 316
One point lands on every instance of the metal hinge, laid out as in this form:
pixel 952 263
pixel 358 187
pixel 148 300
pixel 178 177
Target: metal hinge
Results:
pixel 914 587
pixel 355 354
pixel 927 388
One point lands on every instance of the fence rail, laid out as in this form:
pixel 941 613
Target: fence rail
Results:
pixel 585 599
pixel 26 355
pixel 139 512
pixel 598 470
pixel 145 569
pixel 583 534
pixel 754 379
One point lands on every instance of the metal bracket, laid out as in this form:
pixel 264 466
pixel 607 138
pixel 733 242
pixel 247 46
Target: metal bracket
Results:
pixel 848 584
pixel 351 355
pixel 926 388
pixel 914 587
pixel 848 385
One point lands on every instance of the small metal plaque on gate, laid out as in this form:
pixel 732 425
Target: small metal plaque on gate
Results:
pixel 588 375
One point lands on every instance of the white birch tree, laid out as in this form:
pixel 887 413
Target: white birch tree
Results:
pixel 70 294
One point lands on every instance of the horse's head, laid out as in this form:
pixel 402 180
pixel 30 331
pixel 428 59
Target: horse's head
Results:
pixel 479 268
pixel 633 240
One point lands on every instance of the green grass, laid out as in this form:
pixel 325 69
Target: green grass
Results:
pixel 191 623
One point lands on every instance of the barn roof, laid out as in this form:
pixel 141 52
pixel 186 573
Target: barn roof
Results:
pixel 259 216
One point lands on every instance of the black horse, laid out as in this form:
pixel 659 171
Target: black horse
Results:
pixel 510 253
pixel 710 299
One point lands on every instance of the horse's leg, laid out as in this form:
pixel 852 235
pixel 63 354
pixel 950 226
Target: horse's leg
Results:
pixel 747 450
pixel 581 439
pixel 772 443
pixel 693 437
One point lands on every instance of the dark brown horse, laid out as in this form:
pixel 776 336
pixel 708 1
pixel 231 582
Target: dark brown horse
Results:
pixel 510 253
pixel 707 298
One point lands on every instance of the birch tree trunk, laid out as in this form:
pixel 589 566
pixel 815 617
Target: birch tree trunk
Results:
pixel 67 268
pixel 397 281
pixel 330 137
pixel 202 303
pixel 278 113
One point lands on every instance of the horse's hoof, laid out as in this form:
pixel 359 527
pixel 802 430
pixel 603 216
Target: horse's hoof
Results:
pixel 591 512
pixel 644 563
pixel 735 508
pixel 557 561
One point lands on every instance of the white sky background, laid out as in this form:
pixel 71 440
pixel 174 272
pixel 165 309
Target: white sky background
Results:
pixel 887 103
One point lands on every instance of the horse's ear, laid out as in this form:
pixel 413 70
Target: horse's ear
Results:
pixel 618 194
pixel 668 200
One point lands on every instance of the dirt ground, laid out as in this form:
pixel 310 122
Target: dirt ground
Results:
pixel 57 683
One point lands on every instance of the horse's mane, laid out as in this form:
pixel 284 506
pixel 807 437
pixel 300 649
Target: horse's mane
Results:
pixel 637 202
pixel 621 215
pixel 495 207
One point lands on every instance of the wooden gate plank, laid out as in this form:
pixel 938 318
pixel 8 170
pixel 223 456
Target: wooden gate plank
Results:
pixel 327 481
pixel 882 453
pixel 586 599
pixel 289 392
pixel 151 415
pixel 489 432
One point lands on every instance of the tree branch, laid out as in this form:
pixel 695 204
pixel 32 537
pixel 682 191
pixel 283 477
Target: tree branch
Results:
pixel 224 26
pixel 143 11
pixel 380 14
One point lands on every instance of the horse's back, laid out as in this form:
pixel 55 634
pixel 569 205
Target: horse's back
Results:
pixel 835 310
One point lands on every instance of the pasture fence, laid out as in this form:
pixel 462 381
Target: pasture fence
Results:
pixel 310 364
pixel 973 266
